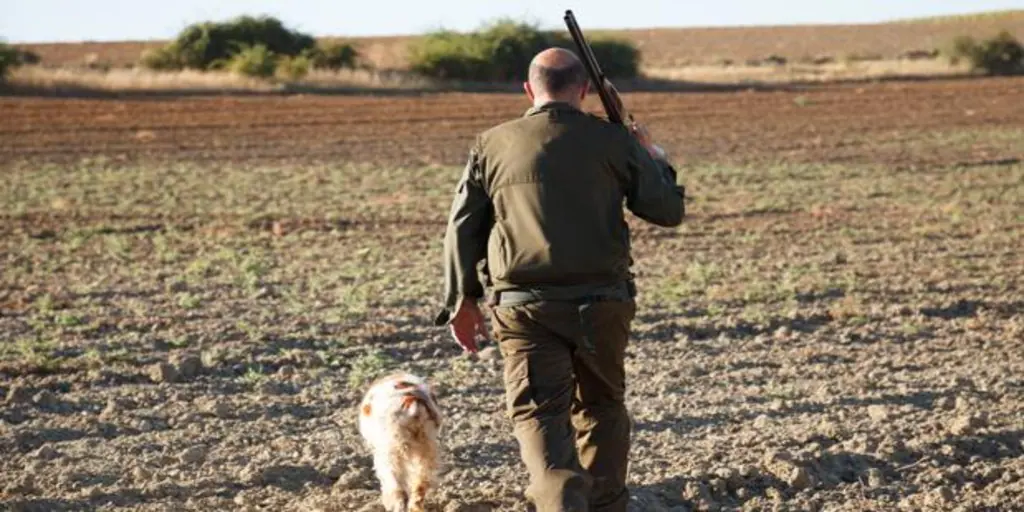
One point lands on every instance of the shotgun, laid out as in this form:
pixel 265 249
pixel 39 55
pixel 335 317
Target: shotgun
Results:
pixel 609 95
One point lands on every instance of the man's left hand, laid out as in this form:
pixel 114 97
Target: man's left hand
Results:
pixel 467 323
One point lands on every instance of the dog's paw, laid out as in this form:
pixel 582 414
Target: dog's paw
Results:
pixel 394 500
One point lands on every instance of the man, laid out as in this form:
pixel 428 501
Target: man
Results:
pixel 541 201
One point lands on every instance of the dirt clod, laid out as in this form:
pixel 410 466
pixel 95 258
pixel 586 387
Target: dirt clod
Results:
pixel 488 354
pixel 697 492
pixel 193 455
pixel 875 478
pixel 46 452
pixel 354 479
pixel 219 408
pixel 142 473
pixel 799 478
pixel 878 413
pixel 967 424
pixel 189 365
pixel 762 421
pixel 45 399
pixel 18 394
pixel 112 409
pixel 163 372
pixel 941 496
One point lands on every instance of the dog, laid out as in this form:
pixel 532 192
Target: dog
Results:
pixel 400 421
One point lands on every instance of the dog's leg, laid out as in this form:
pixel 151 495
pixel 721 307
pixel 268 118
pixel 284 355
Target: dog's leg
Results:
pixel 421 472
pixel 393 496
pixel 419 497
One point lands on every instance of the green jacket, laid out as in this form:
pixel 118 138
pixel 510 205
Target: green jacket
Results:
pixel 539 207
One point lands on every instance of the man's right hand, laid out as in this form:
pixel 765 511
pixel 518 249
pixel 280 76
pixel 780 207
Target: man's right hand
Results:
pixel 644 137
pixel 467 323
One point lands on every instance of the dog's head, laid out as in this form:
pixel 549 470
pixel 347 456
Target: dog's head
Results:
pixel 402 398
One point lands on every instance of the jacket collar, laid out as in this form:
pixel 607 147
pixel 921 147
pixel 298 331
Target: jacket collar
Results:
pixel 550 106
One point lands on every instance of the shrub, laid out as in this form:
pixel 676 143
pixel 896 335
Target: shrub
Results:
pixel 501 51
pixel 8 59
pixel 333 56
pixel 12 57
pixel 25 57
pixel 510 46
pixel 256 61
pixel 450 55
pixel 293 68
pixel 165 58
pixel 618 59
pixel 1000 55
pixel 213 45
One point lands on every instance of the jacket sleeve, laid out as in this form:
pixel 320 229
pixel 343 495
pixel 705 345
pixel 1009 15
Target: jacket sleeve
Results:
pixel 652 193
pixel 465 240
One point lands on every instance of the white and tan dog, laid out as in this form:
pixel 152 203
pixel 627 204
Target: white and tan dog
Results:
pixel 400 420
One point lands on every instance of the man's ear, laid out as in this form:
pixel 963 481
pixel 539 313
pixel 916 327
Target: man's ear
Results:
pixel 529 90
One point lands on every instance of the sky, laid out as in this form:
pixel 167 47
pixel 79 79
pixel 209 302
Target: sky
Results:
pixel 114 20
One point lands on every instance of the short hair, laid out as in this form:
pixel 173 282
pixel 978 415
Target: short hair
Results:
pixel 555 80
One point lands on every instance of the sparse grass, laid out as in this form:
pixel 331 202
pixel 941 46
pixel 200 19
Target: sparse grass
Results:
pixel 35 353
pixel 68 320
pixel 189 301
pixel 253 375
pixel 370 365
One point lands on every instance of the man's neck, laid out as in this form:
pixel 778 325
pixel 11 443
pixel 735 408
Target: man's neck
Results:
pixel 541 102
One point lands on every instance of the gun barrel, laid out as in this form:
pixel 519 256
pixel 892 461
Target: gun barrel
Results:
pixel 593 68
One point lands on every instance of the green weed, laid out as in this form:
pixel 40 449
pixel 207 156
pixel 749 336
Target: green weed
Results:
pixel 367 367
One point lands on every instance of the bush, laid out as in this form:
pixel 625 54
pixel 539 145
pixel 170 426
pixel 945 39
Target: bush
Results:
pixel 12 57
pixel 510 46
pixel 8 59
pixel 25 57
pixel 501 51
pixel 293 68
pixel 333 56
pixel 166 58
pixel 256 61
pixel 1000 55
pixel 450 55
pixel 214 45
pixel 618 59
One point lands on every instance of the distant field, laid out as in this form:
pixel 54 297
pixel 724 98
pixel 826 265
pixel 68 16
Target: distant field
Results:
pixel 669 47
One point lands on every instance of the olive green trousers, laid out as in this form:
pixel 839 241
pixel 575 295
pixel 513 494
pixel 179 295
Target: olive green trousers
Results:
pixel 565 388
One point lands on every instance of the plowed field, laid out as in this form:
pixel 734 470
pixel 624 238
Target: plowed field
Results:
pixel 832 124
pixel 194 293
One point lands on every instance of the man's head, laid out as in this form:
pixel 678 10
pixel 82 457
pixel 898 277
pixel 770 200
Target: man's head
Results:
pixel 556 74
